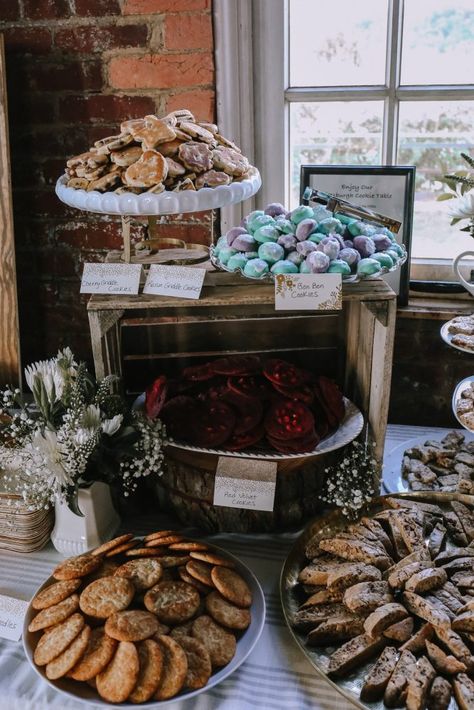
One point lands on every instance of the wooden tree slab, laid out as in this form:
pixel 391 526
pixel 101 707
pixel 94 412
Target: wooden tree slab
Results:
pixel 9 328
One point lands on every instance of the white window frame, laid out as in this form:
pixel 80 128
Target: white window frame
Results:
pixel 254 93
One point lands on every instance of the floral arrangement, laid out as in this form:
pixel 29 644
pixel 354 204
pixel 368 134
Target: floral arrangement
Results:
pixel 76 431
pixel 349 485
pixel 460 185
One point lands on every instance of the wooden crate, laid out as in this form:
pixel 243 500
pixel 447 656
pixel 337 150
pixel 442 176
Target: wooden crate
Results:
pixel 142 336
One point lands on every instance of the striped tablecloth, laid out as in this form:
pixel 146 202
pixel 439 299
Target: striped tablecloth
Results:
pixel 276 675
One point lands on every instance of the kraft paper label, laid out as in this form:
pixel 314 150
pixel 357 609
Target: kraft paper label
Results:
pixel 119 279
pixel 308 292
pixel 245 483
pixel 12 614
pixel 179 281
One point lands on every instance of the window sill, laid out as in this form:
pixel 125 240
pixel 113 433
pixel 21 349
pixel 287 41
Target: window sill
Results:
pixel 434 306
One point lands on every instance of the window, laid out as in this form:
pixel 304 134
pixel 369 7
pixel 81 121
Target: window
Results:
pixel 366 82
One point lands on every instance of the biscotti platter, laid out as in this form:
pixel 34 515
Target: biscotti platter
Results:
pixel 143 621
pixel 384 607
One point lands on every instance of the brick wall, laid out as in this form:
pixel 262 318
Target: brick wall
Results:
pixel 75 69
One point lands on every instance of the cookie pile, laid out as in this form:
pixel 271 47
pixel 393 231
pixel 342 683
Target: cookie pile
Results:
pixel 151 154
pixel 446 465
pixel 306 240
pixel 141 619
pixel 462 331
pixel 238 402
pixel 398 588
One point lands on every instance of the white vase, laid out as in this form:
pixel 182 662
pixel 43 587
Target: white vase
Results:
pixel 73 534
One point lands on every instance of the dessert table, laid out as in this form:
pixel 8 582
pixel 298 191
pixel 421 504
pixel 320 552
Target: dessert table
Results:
pixel 276 676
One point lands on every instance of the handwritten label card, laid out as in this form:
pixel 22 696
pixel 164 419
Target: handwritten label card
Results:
pixel 308 292
pixel 245 483
pixel 111 279
pixel 12 613
pixel 179 281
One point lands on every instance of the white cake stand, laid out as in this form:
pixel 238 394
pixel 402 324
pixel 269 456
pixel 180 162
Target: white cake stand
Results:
pixel 129 205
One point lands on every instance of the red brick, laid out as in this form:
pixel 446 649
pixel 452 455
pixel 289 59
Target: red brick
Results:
pixel 27 40
pixel 45 9
pixel 24 108
pixel 97 8
pixel 65 76
pixel 104 107
pixel 190 31
pixel 90 235
pixel 88 39
pixel 155 71
pixel 191 233
pixel 146 7
pixel 200 101
pixel 10 10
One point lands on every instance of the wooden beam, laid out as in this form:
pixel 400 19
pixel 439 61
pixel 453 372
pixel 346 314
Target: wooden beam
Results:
pixel 9 328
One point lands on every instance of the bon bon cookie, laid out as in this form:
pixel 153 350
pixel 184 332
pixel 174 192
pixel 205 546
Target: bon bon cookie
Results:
pixel 221 644
pixel 175 668
pixel 97 656
pixel 150 660
pixel 231 586
pixel 105 596
pixel 227 614
pixel 149 170
pixel 134 625
pixel 55 614
pixel 211 558
pixel 55 593
pixel 196 156
pixel 112 544
pixel 143 573
pixel 172 602
pixel 75 567
pixel 199 663
pixel 57 639
pixel 118 679
pixel 63 663
pixel 200 571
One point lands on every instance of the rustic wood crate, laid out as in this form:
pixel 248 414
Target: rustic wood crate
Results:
pixel 142 336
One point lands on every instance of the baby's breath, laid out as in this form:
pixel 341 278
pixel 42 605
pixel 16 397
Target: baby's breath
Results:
pixel 349 485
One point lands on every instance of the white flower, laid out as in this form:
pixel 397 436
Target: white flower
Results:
pixel 91 418
pixel 47 453
pixel 463 207
pixel 111 426
pixel 50 374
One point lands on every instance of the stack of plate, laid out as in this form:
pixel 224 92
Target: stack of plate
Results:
pixel 22 530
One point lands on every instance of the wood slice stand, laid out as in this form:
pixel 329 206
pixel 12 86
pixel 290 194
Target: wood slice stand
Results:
pixel 142 336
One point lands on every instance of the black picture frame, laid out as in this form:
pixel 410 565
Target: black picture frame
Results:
pixel 316 176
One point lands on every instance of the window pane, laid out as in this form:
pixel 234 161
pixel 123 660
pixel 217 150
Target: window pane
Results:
pixel 333 133
pixel 438 42
pixel 432 136
pixel 339 43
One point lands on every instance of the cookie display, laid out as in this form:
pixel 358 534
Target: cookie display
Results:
pixel 415 646
pixel 137 630
pixel 174 152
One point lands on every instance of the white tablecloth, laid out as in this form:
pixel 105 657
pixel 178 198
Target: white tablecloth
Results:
pixel 276 675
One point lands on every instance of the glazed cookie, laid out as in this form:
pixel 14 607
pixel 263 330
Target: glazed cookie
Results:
pixel 149 170
pixel 230 161
pixel 195 156
pixel 212 178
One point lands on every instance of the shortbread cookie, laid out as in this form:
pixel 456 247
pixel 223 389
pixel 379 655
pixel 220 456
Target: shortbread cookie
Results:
pixel 150 660
pixel 172 602
pixel 200 571
pixel 55 593
pixel 230 161
pixel 70 656
pixel 75 567
pixel 112 544
pixel 220 643
pixel 195 156
pixel 231 586
pixel 212 178
pixel 143 573
pixel 57 639
pixel 226 614
pixel 211 558
pixel 199 663
pixel 97 655
pixel 118 679
pixel 134 625
pixel 55 614
pixel 105 596
pixel 175 668
pixel 149 170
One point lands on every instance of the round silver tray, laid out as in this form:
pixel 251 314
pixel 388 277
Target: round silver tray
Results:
pixel 353 278
pixel 448 337
pixel 167 202
pixel 460 387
